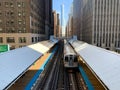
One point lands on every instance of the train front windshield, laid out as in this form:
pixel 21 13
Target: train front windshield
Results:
pixel 71 57
pixel 66 59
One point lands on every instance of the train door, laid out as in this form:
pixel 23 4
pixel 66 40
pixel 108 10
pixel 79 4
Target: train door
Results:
pixel 71 59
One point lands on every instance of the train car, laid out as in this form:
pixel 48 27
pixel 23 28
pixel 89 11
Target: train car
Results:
pixel 70 57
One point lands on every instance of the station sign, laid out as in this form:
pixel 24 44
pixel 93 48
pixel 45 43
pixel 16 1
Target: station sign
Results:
pixel 4 48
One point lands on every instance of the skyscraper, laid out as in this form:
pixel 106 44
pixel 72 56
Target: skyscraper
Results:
pixel 56 25
pixel 23 22
pixel 69 26
pixel 98 22
pixel 48 16
pixel 62 21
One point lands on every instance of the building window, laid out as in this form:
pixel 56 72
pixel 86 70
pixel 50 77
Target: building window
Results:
pixel 24 22
pixel 10 30
pixel 118 44
pixel 112 37
pixel 38 38
pixel 12 22
pixel 7 30
pixel 35 39
pixel 32 39
pixel 7 23
pixel 10 40
pixel 1 30
pixel 1 40
pixel 11 13
pixel 22 40
pixel 7 13
pixel 6 4
pixel 23 13
pixel 19 13
pixel 0 4
pixel 11 4
pixel 19 21
pixel 0 21
pixel 0 13
pixel 103 37
pixel 23 4
pixel 32 23
pixel 19 4
pixel 94 38
pixel 22 30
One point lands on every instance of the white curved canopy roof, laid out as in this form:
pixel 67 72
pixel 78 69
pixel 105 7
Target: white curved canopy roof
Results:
pixel 68 50
pixel 13 64
pixel 106 64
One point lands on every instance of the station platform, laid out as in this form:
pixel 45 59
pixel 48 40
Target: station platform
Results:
pixel 101 66
pixel 17 64
pixel 25 79
pixel 91 77
pixel 29 78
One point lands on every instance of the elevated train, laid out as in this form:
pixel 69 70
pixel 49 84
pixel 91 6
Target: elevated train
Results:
pixel 70 56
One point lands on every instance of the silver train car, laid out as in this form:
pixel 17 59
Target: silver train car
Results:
pixel 70 57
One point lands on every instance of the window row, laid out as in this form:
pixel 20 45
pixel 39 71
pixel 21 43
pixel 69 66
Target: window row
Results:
pixel 13 30
pixel 105 39
pixel 13 22
pixel 9 13
pixel 20 39
pixel 12 4
pixel 12 40
pixel 35 39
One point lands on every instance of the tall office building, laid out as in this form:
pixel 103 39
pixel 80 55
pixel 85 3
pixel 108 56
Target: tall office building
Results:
pixel 69 26
pixel 99 21
pixel 62 21
pixel 56 24
pixel 23 22
pixel 48 17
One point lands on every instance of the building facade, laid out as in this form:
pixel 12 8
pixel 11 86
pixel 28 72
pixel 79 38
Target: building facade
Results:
pixel 77 18
pixel 99 22
pixel 62 21
pixel 23 22
pixel 69 26
pixel 56 24
pixel 48 17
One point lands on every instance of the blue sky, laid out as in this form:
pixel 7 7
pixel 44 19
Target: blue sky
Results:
pixel 57 6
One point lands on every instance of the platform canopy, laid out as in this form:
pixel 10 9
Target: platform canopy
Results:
pixel 13 64
pixel 105 64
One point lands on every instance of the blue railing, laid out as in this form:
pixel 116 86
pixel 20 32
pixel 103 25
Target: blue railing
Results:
pixel 35 77
pixel 86 79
